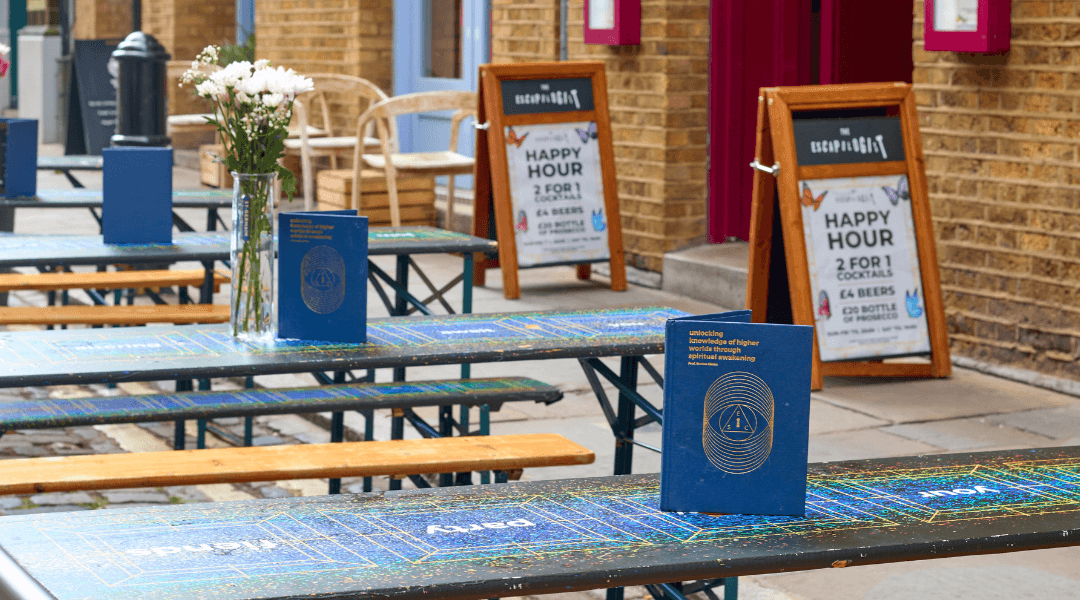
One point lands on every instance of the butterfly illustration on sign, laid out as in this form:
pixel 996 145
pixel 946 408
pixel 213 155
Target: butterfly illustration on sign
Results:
pixel 823 305
pixel 900 192
pixel 598 220
pixel 808 198
pixel 512 137
pixel 588 133
pixel 523 221
pixel 911 302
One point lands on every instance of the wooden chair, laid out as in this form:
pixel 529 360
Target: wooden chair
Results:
pixel 384 114
pixel 330 145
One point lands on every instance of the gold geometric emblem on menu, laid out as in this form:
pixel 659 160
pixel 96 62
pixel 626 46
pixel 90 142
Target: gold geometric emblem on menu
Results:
pixel 737 430
pixel 322 279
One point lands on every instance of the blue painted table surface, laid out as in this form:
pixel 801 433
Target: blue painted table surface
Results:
pixel 18 250
pixel 92 198
pixel 72 162
pixel 544 537
pixel 200 351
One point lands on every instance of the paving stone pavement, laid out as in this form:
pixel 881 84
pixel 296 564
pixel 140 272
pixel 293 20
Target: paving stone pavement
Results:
pixel 851 418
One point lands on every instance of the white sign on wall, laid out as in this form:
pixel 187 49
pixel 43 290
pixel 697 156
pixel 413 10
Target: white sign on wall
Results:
pixel 956 15
pixel 864 267
pixel 557 193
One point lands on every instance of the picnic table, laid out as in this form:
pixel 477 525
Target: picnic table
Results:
pixel 76 356
pixel 188 352
pixel 91 199
pixel 49 250
pixel 69 163
pixel 544 537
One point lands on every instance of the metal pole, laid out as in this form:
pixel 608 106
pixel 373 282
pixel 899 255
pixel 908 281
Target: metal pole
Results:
pixel 564 8
pixel 136 15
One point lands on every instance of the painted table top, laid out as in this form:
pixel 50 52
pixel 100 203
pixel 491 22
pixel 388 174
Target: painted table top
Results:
pixel 90 198
pixel 197 351
pixel 542 537
pixel 65 249
pixel 73 162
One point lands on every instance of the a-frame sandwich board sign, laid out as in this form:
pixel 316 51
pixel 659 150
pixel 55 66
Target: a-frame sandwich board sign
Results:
pixel 841 235
pixel 545 171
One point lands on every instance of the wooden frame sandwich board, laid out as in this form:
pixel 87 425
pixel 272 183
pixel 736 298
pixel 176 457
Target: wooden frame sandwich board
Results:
pixel 841 235
pixel 545 171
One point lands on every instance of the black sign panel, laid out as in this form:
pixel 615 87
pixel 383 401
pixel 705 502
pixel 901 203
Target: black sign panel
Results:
pixel 842 141
pixel 535 96
pixel 97 93
pixel 3 157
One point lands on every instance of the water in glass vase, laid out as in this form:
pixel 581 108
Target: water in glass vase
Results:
pixel 251 314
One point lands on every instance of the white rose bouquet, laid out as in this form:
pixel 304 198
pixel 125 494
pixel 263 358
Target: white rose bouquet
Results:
pixel 253 105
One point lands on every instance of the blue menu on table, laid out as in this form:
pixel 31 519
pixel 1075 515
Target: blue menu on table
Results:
pixel 136 190
pixel 736 415
pixel 322 276
pixel 18 151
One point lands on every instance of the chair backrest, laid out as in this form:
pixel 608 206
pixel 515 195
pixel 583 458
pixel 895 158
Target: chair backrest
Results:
pixel 387 111
pixel 331 88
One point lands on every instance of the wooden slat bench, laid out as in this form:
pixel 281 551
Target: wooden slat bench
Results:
pixel 394 458
pixel 107 280
pixel 179 314
pixel 101 314
pixel 401 397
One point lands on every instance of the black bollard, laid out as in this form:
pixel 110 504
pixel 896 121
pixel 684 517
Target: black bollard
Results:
pixel 140 96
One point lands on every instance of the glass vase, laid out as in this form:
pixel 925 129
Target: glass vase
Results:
pixel 251 314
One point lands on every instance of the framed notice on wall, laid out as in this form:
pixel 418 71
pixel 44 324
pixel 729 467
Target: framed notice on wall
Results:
pixel 547 189
pixel 840 185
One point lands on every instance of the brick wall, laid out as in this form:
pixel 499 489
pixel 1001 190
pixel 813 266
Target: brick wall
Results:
pixel 102 19
pixel 185 27
pixel 1000 136
pixel 657 95
pixel 524 30
pixel 351 37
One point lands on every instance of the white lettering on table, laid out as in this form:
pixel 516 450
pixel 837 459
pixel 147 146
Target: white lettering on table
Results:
pixel 979 489
pixel 478 527
pixel 167 550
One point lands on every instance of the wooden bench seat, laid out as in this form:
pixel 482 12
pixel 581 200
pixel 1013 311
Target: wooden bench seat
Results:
pixel 394 458
pixel 107 280
pixel 179 314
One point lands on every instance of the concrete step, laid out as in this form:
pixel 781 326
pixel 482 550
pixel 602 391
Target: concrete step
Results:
pixel 713 273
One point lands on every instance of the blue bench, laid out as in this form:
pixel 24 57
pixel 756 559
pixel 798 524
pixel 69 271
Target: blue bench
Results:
pixel 401 397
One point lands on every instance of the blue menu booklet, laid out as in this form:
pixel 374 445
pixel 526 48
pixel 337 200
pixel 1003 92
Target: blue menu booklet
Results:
pixel 18 151
pixel 736 415
pixel 136 195
pixel 322 276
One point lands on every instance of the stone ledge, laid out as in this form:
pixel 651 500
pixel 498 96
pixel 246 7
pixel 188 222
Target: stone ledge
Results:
pixel 714 273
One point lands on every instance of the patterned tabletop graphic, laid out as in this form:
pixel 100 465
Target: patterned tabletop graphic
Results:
pixel 546 536
pixel 91 198
pixel 84 249
pixel 181 352
pixel 70 162
pixel 66 249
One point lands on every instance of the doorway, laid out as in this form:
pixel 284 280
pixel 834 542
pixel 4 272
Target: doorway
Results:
pixel 438 45
pixel 762 43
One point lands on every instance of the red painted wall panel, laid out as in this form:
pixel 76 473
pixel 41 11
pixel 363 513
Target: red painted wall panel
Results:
pixel 759 43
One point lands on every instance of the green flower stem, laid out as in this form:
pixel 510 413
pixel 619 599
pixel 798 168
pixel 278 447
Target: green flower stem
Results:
pixel 249 273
